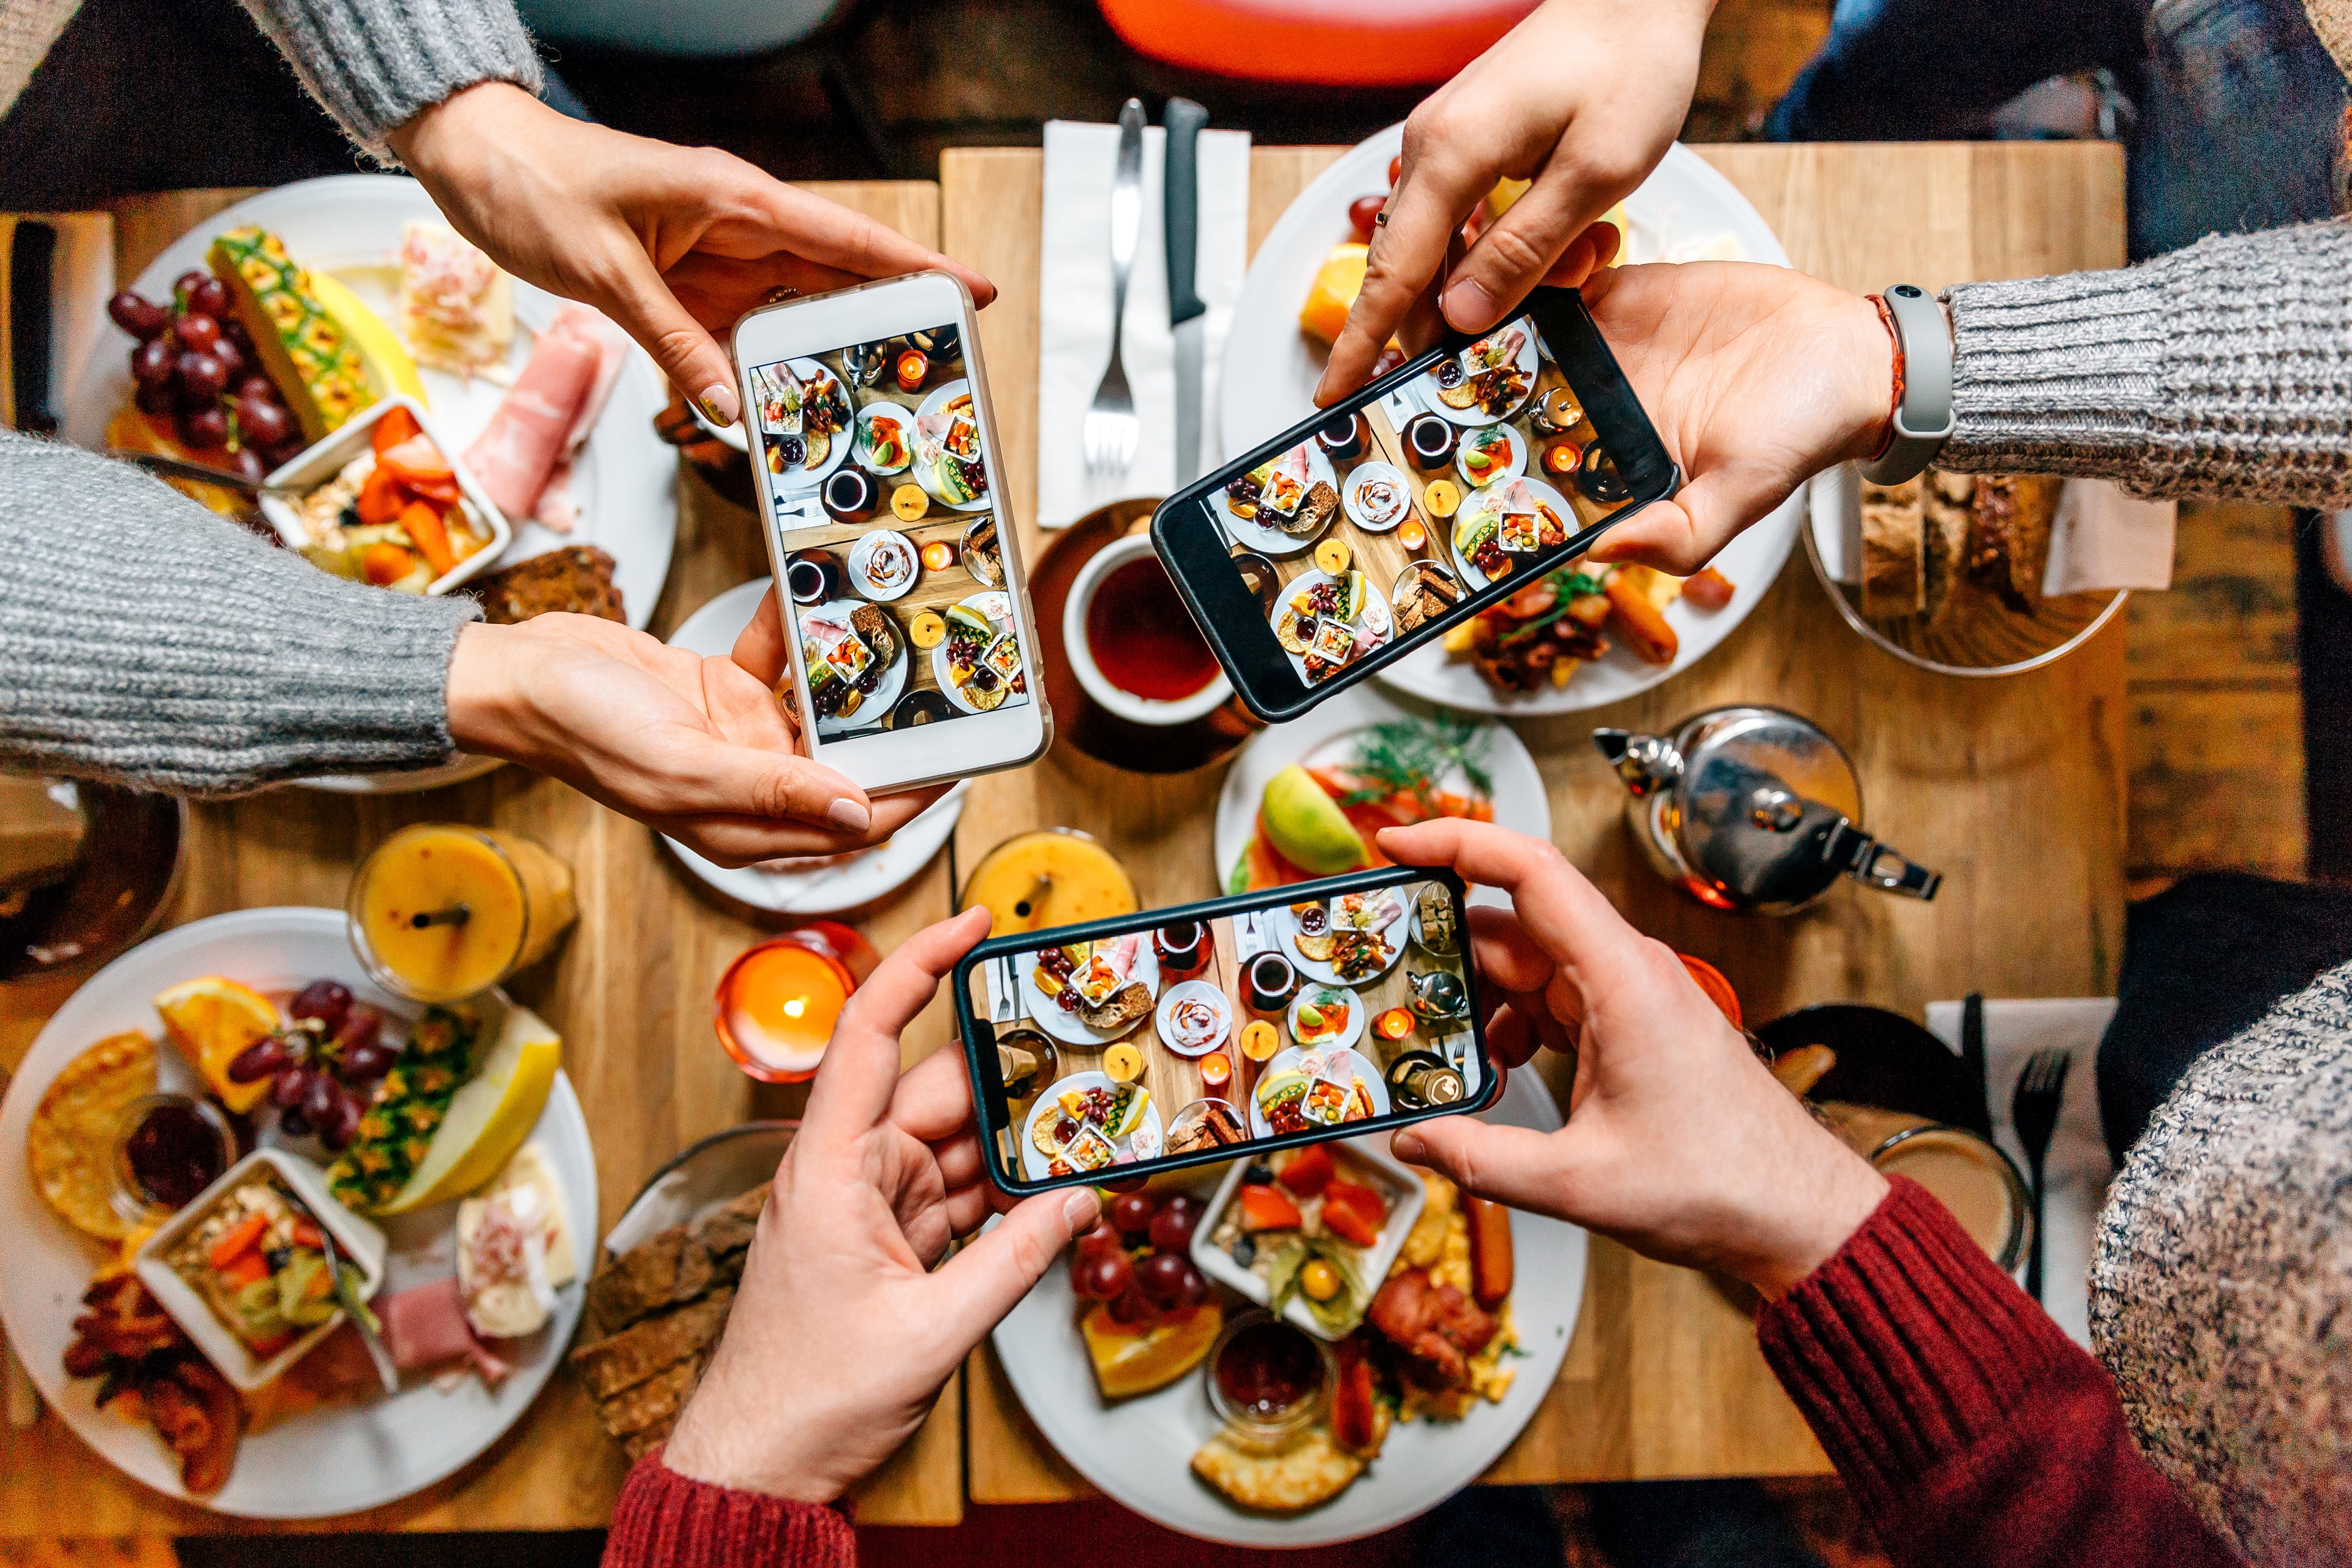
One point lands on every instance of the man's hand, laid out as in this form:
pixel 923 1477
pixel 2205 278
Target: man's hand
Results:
pixel 672 243
pixel 844 1329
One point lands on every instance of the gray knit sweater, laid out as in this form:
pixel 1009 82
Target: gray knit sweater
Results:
pixel 2221 1283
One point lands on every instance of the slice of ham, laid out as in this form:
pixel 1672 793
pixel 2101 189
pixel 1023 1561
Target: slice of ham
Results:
pixel 425 1326
pixel 558 509
pixel 529 434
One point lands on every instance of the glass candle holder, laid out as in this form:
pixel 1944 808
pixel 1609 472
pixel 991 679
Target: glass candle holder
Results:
pixel 776 1006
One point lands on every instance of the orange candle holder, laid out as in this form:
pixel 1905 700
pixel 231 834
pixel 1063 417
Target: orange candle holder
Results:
pixel 1719 990
pixel 775 1007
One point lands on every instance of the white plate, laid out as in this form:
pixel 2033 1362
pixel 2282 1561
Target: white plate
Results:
pixel 1349 1032
pixel 885 693
pixel 1285 933
pixel 823 885
pixel 1483 501
pixel 328 1461
pixel 1139 1450
pixel 1358 1065
pixel 1361 474
pixel 1376 612
pixel 1269 541
pixel 906 418
pixel 1325 736
pixel 625 479
pixel 924 476
pixel 1038 1164
pixel 1187 990
pixel 807 478
pixel 1068 1028
pixel 1512 468
pixel 997 606
pixel 861 564
pixel 1426 388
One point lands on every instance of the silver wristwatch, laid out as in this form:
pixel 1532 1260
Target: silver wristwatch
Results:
pixel 1924 421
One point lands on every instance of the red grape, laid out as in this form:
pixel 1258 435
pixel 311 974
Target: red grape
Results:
pixel 247 462
pixel 1362 212
pixel 318 1100
pixel 259 1061
pixel 1132 1212
pixel 207 429
pixel 142 318
pixel 364 1064
pixel 1396 165
pixel 184 286
pixel 198 331
pixel 232 358
pixel 325 1000
pixel 1162 1278
pixel 259 388
pixel 211 298
pixel 265 423
pixel 1172 1226
pixel 287 1090
pixel 203 377
pixel 291 1122
pixel 152 362
pixel 1105 1277
pixel 1196 1286
pixel 157 398
pixel 1102 1238
pixel 1134 1309
pixel 343 1123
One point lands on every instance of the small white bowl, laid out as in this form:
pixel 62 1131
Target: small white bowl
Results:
pixel 1126 704
pixel 323 459
pixel 1406 1198
pixel 354 1237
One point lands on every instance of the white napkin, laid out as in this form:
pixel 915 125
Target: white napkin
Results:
pixel 2102 538
pixel 2077 1171
pixel 1074 309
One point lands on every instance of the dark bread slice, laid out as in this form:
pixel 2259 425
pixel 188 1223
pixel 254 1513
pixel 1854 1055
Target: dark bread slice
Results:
pixel 577 578
pixel 728 1229
pixel 670 1267
pixel 1123 1007
pixel 657 1399
pixel 2009 539
pixel 1948 503
pixel 1315 509
pixel 1894 551
pixel 650 1346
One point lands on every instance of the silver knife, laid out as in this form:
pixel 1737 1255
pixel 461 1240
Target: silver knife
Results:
pixel 1187 322
pixel 371 1332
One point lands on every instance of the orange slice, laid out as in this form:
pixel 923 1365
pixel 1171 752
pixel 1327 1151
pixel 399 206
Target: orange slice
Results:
pixel 212 1020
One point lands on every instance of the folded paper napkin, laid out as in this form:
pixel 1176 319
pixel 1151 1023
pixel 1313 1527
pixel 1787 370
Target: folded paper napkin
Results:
pixel 1074 309
pixel 2077 1171
pixel 2103 537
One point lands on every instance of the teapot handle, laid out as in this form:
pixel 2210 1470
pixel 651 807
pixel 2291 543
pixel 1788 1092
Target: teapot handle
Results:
pixel 1874 865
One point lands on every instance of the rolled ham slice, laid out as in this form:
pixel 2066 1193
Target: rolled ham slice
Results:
pixel 425 1327
pixel 531 431
pixel 557 508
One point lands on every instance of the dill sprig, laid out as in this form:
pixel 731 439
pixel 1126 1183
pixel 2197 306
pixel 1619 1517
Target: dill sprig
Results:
pixel 1408 756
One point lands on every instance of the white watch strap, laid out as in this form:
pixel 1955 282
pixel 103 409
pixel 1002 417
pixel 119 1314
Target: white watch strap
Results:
pixel 1924 421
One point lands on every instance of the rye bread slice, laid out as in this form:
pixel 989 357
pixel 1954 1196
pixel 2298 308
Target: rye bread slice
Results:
pixel 577 578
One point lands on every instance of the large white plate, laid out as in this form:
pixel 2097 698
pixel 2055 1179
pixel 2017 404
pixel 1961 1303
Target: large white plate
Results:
pixel 924 475
pixel 1376 610
pixel 1140 1450
pixel 1285 926
pixel 1287 1060
pixel 1268 541
pixel 1271 368
pixel 1323 736
pixel 821 884
pixel 1038 1164
pixel 805 479
pixel 350 224
pixel 1068 1028
pixel 327 1461
pixel 1485 500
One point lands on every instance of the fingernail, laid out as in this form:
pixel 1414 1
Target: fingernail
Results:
pixel 1081 1208
pixel 849 816
pixel 1407 1145
pixel 719 405
pixel 1466 305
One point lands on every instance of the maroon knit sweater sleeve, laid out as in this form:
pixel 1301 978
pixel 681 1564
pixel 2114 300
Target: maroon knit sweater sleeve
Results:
pixel 1967 1425
pixel 665 1521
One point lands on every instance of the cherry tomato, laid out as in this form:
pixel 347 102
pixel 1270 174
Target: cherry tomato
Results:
pixel 1132 1212
pixel 1172 1226
pixel 1105 1277
pixel 1161 1277
pixel 1364 213
pixel 1396 166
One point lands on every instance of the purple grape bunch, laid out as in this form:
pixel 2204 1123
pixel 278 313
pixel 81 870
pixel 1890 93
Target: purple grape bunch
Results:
pixel 322 1067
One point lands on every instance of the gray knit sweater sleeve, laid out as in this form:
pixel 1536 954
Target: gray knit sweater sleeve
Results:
pixel 2224 369
pixel 2221 1281
pixel 375 63
pixel 143 639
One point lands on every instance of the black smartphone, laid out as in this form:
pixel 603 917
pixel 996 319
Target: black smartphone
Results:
pixel 1185 1036
pixel 1360 534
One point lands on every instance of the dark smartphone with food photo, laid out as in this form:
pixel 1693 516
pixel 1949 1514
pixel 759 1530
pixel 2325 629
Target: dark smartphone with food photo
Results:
pixel 1184 1036
pixel 1461 478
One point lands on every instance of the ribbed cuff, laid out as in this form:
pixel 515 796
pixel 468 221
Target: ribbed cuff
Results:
pixel 2055 374
pixel 373 64
pixel 665 1521
pixel 1908 1345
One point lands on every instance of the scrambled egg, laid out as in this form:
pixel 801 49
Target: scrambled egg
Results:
pixel 1440 1242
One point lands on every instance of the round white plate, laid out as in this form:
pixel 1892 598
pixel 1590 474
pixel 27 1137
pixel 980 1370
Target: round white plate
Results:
pixel 1068 1028
pixel 625 479
pixel 1361 474
pixel 806 478
pixel 940 398
pixel 1257 536
pixel 827 884
pixel 1139 1450
pixel 1376 612
pixel 906 419
pixel 1285 926
pixel 1325 736
pixel 1038 1164
pixel 1516 465
pixel 1484 500
pixel 861 564
pixel 1349 1032
pixel 1425 389
pixel 327 1461
pixel 1190 990
pixel 1271 369
pixel 997 606
pixel 885 693
pixel 1287 1059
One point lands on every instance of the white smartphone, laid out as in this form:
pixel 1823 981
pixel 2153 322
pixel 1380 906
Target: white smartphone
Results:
pixel 880 481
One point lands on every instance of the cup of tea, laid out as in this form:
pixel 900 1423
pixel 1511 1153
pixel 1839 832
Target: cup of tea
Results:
pixel 1132 643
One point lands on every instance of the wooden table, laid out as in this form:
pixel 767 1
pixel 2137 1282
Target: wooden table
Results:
pixel 2014 788
pixel 630 990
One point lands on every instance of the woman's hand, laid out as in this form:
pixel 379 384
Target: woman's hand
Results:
pixel 1755 377
pixel 1679 1142
pixel 695 748
pixel 672 243
pixel 1582 98
pixel 843 1330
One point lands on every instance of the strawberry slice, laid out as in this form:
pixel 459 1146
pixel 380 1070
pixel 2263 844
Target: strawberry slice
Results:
pixel 1352 1213
pixel 1267 1208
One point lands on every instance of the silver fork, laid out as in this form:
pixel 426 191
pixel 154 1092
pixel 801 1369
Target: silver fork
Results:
pixel 1112 428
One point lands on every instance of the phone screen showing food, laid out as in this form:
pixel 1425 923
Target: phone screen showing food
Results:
pixel 887 518
pixel 1312 1012
pixel 1489 469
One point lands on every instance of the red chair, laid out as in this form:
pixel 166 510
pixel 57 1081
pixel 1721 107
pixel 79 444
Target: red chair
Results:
pixel 1336 43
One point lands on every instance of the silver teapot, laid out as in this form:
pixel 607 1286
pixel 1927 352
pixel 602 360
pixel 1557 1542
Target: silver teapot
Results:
pixel 1754 809
pixel 1437 995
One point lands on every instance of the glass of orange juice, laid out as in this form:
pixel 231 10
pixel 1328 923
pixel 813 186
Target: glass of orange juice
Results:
pixel 1049 877
pixel 440 910
pixel 778 1002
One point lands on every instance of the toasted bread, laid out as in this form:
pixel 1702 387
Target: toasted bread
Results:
pixel 875 627
pixel 1310 1472
pixel 577 578
pixel 729 1228
pixel 1947 503
pixel 1315 509
pixel 1123 1007
pixel 650 1346
pixel 1894 552
pixel 670 1267
pixel 2009 539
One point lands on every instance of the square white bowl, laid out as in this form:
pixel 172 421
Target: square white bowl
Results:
pixel 323 459
pixel 1406 1198
pixel 354 1237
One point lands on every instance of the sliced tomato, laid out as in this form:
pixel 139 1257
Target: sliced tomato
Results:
pixel 239 1237
pixel 1352 1213
pixel 1308 1172
pixel 244 1268
pixel 396 425
pixel 1268 1208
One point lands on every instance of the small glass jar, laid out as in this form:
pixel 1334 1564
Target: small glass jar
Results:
pixel 168 1148
pixel 1268 1380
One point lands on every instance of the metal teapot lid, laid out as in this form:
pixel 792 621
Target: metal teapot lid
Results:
pixel 1762 806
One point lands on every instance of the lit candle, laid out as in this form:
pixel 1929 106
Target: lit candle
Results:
pixel 1216 1070
pixel 1395 1023
pixel 777 1005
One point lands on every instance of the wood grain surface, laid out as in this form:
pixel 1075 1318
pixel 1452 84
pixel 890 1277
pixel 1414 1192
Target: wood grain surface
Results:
pixel 2014 788
pixel 630 989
